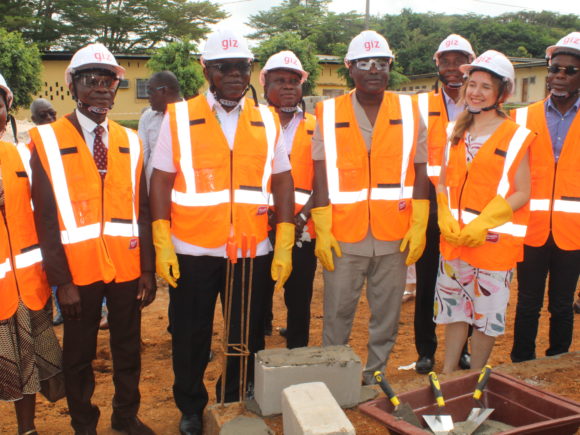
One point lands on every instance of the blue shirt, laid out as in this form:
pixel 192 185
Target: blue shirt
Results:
pixel 559 124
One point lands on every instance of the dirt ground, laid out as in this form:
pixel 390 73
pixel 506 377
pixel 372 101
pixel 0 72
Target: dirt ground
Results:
pixel 158 408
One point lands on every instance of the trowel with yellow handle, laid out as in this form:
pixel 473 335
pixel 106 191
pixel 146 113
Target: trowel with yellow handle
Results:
pixel 441 423
pixel 402 410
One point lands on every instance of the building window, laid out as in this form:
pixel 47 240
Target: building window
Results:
pixel 142 88
pixel 124 84
pixel 533 80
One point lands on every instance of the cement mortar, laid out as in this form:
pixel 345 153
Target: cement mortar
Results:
pixel 306 356
pixel 488 427
pixel 246 426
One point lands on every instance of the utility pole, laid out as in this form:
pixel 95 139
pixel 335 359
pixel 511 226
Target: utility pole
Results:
pixel 367 13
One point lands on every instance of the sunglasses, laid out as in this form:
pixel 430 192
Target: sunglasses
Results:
pixel 224 68
pixel 93 80
pixel 568 70
pixel 367 64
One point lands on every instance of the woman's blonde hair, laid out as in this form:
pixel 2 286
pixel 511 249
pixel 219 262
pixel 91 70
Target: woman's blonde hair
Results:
pixel 465 120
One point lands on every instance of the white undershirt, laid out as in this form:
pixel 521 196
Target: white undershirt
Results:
pixel 88 127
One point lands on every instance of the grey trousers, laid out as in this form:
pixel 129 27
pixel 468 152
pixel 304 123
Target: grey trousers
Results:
pixel 385 277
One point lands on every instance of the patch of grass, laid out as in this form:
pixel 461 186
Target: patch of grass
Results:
pixel 129 123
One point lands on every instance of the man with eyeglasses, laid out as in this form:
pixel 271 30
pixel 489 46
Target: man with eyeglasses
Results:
pixel 437 109
pixel 552 243
pixel 215 165
pixel 94 227
pixel 162 89
pixel 370 199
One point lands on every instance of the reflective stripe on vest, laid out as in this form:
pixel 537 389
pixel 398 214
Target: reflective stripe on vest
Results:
pixel 539 205
pixel 25 157
pixel 28 258
pixel 514 148
pixel 377 193
pixel 5 268
pixel 128 229
pixel 567 206
pixel 522 116
pixel 190 197
pixel 510 228
pixel 72 233
pixel 301 197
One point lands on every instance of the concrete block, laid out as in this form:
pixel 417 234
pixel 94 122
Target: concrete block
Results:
pixel 310 409
pixel 337 366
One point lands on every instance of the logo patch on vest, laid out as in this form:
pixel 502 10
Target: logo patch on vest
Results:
pixel 402 205
pixel 263 209
pixel 133 243
pixel 492 237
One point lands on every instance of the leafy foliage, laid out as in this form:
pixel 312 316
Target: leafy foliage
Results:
pixel 21 66
pixel 179 58
pixel 303 48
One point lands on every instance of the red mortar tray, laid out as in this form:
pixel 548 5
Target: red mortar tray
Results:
pixel 529 409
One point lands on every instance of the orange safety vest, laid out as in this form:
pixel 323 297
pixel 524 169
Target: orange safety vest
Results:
pixel 218 190
pixel 98 221
pixel 21 273
pixel 491 173
pixel 434 113
pixel 302 165
pixel 555 201
pixel 373 188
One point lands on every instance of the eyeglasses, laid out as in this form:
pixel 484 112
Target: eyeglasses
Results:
pixel 367 64
pixel 151 90
pixel 225 68
pixel 92 81
pixel 568 70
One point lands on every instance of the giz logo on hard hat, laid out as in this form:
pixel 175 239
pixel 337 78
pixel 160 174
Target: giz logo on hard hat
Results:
pixel 101 56
pixel 453 42
pixel 229 43
pixel 369 45
pixel 483 59
pixel 288 59
pixel 571 40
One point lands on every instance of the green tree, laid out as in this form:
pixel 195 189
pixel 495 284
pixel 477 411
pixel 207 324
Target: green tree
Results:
pixel 303 48
pixel 21 66
pixel 179 58
pixel 122 25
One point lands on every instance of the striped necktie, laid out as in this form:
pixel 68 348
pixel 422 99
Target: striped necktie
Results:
pixel 100 151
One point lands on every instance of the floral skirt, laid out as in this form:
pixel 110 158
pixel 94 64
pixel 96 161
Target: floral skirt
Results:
pixel 29 353
pixel 479 297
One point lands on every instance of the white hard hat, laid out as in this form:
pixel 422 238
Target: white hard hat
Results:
pixel 224 43
pixel 9 95
pixel 283 60
pixel 454 43
pixel 93 56
pixel 495 62
pixel 570 42
pixel 368 43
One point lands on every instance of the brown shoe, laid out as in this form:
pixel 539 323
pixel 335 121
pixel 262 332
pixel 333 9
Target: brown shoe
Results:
pixel 130 425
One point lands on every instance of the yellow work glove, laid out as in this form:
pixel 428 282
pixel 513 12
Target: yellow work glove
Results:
pixel 325 241
pixel 495 213
pixel 448 225
pixel 416 236
pixel 282 261
pixel 166 263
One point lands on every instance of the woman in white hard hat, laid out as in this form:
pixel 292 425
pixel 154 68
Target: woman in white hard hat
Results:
pixel 482 196
pixel 29 348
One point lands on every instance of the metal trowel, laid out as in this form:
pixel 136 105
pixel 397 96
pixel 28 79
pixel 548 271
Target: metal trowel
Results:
pixel 440 424
pixel 402 410
pixel 478 415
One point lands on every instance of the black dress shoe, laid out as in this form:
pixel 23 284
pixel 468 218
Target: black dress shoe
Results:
pixel 283 332
pixel 465 361
pixel 424 365
pixel 130 425
pixel 190 425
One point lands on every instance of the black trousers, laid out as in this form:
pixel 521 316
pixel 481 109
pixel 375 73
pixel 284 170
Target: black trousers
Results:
pixel 191 312
pixel 426 270
pixel 79 350
pixel 563 269
pixel 297 296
